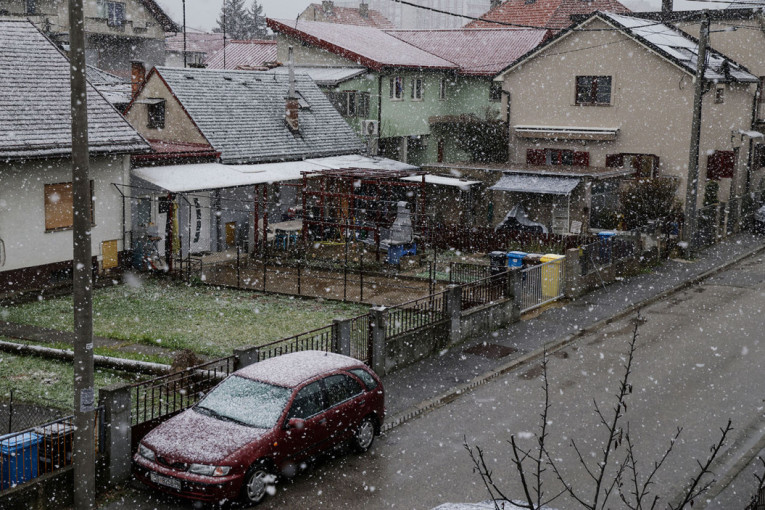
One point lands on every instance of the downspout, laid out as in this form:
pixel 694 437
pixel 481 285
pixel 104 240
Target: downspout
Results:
pixel 379 113
pixel 750 156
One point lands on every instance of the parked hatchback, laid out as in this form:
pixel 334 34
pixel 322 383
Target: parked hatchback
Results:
pixel 260 422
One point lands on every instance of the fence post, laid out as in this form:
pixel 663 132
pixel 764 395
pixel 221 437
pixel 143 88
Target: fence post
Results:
pixel 116 402
pixel 377 330
pixel 573 272
pixel 514 292
pixel 341 330
pixel 453 305
pixel 246 356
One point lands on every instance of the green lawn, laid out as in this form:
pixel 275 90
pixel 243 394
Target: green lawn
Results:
pixel 207 320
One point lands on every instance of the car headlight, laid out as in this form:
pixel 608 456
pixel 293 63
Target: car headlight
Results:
pixel 146 452
pixel 203 469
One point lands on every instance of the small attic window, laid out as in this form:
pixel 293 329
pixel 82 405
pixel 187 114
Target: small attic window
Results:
pixel 189 77
pixel 227 78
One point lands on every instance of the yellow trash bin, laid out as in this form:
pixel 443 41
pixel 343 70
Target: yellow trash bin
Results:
pixel 552 275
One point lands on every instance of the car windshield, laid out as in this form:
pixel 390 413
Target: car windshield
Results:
pixel 247 402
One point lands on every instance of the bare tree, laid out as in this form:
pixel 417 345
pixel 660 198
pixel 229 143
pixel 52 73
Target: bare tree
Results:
pixel 607 474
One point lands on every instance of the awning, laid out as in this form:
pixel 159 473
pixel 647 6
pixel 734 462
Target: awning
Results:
pixel 151 100
pixel 566 133
pixel 536 184
pixel 206 176
pixel 440 180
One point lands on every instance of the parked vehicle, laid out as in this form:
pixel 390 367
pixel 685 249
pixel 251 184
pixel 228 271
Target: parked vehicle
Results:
pixel 759 220
pixel 261 422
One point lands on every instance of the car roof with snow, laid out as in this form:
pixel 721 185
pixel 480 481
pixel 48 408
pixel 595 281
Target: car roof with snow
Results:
pixel 290 370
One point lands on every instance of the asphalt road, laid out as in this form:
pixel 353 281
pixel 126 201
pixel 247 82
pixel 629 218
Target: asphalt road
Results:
pixel 699 363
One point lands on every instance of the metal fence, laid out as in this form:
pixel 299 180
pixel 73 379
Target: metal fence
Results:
pixel 461 272
pixel 41 450
pixel 486 239
pixel 604 252
pixel 415 314
pixel 361 339
pixel 542 284
pixel 485 291
pixel 162 396
pixel 19 411
pixel 321 339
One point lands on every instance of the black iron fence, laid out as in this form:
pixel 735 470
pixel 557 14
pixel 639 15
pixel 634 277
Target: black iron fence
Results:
pixel 461 272
pixel 484 291
pixel 415 314
pixel 321 339
pixel 605 251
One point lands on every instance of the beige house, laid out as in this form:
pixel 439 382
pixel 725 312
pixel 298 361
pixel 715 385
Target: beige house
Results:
pixel 116 32
pixel 617 91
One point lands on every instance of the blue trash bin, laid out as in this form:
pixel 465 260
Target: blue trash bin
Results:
pixel 19 457
pixel 515 258
pixel 604 246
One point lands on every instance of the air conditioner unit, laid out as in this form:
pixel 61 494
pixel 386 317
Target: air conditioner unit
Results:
pixel 370 127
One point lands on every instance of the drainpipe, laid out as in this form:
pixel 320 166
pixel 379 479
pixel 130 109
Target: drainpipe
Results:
pixel 750 156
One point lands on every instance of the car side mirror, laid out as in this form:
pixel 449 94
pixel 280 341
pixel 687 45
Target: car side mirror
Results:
pixel 295 423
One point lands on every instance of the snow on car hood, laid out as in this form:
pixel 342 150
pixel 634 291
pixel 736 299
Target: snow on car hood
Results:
pixel 194 437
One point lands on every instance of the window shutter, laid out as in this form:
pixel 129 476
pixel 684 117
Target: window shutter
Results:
pixel 535 157
pixel 581 158
pixel 720 165
pixel 614 161
pixel 58 206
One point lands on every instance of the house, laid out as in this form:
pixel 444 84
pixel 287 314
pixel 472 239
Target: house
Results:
pixel 423 14
pixel 738 33
pixel 552 15
pixel 115 89
pixel 251 55
pixel 623 98
pixel 262 130
pixel 328 12
pixel 36 164
pixel 415 94
pixel 200 46
pixel 116 32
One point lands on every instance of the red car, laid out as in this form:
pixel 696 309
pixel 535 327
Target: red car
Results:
pixel 262 421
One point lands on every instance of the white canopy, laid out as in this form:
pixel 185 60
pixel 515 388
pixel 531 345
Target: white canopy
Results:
pixel 441 181
pixel 536 184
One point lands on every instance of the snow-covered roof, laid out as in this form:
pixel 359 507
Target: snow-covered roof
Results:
pixel 536 184
pixel 289 370
pixel 204 176
pixel 681 48
pixel 35 118
pixel 441 180
pixel 243 55
pixel 241 114
pixel 367 46
pixel 326 76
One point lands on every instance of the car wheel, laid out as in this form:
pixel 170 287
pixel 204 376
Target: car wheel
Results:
pixel 256 483
pixel 364 435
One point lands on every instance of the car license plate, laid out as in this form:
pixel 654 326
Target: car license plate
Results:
pixel 173 483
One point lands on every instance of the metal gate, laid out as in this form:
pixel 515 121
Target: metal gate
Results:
pixel 542 284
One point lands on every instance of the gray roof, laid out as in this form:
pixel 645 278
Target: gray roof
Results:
pixel 98 76
pixel 35 120
pixel 241 113
pixel 326 76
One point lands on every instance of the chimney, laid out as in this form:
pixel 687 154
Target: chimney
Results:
pixel 292 107
pixel 364 10
pixel 327 6
pixel 137 75
pixel 666 9
pixel 495 3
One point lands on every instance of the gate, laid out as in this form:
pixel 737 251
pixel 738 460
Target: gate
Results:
pixel 542 284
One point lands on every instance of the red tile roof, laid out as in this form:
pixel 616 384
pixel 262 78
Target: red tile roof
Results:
pixel 346 16
pixel 481 52
pixel 551 14
pixel 244 55
pixel 367 46
pixel 195 41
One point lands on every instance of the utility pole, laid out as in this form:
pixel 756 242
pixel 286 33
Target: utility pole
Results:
pixel 184 34
pixel 692 186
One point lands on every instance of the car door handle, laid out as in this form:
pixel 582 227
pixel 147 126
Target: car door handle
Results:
pixel 362 402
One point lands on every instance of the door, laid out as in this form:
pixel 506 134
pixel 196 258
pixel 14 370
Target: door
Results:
pixel 199 223
pixel 230 234
pixel 309 405
pixel 346 405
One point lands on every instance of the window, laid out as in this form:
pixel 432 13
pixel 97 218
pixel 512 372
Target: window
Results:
pixel 156 110
pixel 605 202
pixel 340 388
pixel 31 7
pixel 557 157
pixel 720 94
pixel 646 166
pixel 495 92
pixel 366 377
pixel 115 14
pixel 59 214
pixel 721 165
pixel 308 402
pixel 442 89
pixel 397 88
pixel 417 89
pixel 351 103
pixel 593 90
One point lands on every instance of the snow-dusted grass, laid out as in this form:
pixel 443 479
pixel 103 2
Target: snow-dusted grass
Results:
pixel 207 320
pixel 47 382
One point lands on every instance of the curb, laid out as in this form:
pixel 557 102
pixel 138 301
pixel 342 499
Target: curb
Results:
pixel 440 400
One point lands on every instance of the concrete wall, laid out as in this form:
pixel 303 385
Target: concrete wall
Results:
pixel 651 104
pixel 486 319
pixel 22 209
pixel 404 350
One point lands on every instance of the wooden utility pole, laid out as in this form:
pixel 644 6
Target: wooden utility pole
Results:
pixel 83 452
pixel 692 185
